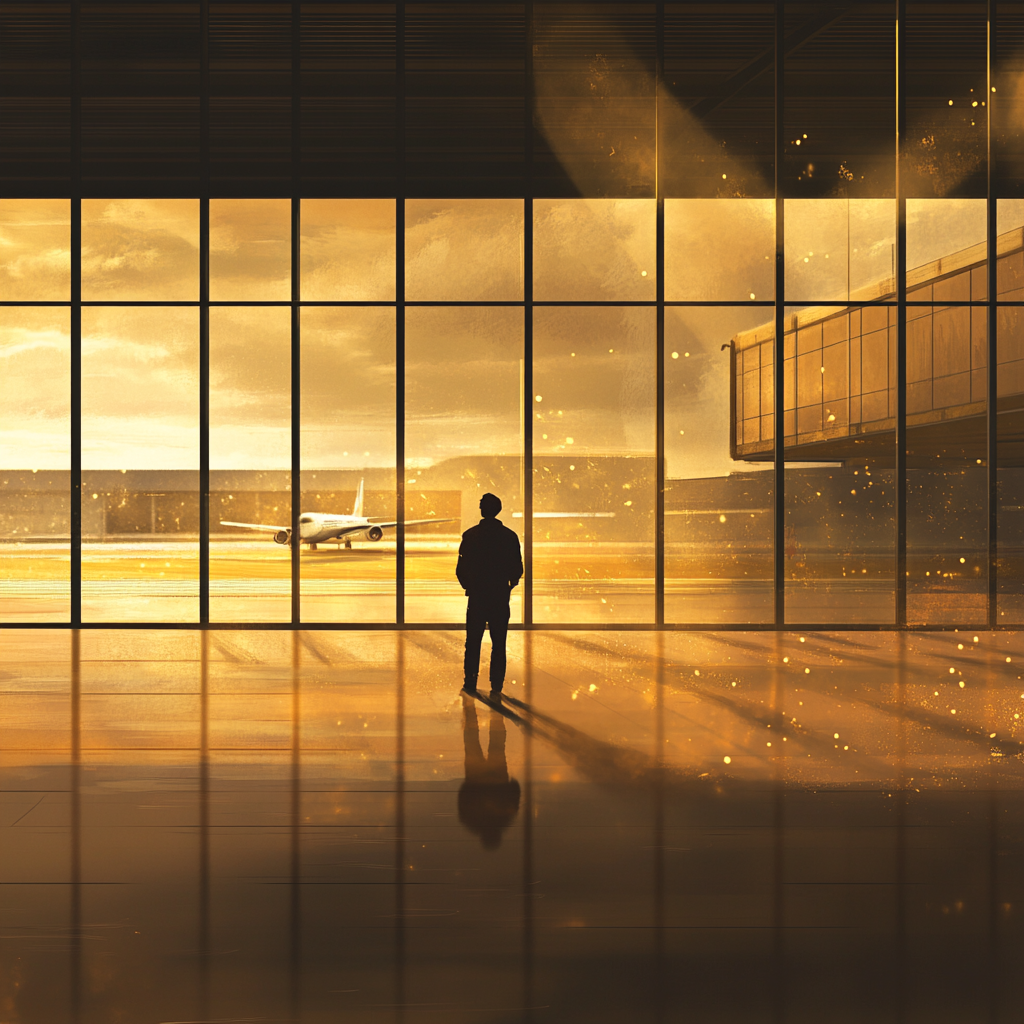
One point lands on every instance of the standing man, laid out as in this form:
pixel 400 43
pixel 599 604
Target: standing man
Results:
pixel 490 565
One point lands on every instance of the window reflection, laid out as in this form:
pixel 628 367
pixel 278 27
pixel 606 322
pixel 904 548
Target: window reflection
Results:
pixel 140 461
pixel 35 483
pixel 250 463
pixel 463 387
pixel 348 442
pixel 594 473
pixel 464 250
pixel 35 250
pixel 718 507
pixel 594 250
pixel 348 250
pixel 250 250
pixel 140 250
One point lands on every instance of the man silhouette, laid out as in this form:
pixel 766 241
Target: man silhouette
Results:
pixel 490 565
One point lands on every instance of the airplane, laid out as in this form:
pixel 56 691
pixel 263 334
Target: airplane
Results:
pixel 318 527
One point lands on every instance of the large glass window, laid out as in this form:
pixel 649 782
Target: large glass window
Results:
pixel 347 250
pixel 250 250
pixel 463 438
pixel 718 480
pixel 140 464
pixel 35 258
pixel 840 526
pixel 463 388
pixel 464 250
pixel 564 361
pixel 1010 412
pixel 35 411
pixel 140 250
pixel 348 463
pixel 719 250
pixel 947 411
pixel 593 250
pixel 594 477
pixel 35 446
pixel 250 464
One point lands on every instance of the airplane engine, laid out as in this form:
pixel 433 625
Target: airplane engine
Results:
pixel 375 533
pixel 282 536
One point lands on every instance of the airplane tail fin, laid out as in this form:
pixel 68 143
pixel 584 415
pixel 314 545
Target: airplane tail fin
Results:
pixel 357 508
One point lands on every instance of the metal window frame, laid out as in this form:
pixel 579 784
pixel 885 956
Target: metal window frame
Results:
pixel 528 304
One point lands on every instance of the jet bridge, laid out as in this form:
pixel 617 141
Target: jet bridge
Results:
pixel 840 369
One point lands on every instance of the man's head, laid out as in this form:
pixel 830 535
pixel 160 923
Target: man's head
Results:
pixel 490 506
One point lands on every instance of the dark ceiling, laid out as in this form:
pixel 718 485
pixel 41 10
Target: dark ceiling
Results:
pixel 495 99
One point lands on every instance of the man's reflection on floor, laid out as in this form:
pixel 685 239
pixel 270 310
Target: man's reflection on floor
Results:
pixel 488 799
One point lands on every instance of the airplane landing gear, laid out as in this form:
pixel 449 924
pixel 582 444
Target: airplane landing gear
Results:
pixel 348 545
pixel 312 547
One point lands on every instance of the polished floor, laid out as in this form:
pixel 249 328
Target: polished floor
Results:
pixel 654 827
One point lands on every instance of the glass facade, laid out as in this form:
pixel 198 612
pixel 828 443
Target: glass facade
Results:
pixel 193 382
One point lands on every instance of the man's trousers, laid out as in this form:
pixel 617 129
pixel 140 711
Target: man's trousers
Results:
pixel 482 612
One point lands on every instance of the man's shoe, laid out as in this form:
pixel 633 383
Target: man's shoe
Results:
pixel 495 695
pixel 470 688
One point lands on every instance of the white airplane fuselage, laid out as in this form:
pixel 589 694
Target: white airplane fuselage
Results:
pixel 319 527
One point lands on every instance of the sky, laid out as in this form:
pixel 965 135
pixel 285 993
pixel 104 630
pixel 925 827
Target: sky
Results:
pixel 594 369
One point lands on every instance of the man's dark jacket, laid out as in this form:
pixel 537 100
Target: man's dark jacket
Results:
pixel 490 560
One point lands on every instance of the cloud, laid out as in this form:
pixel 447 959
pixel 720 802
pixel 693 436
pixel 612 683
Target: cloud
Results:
pixel 250 250
pixel 140 388
pixel 140 250
pixel 35 250
pixel 464 250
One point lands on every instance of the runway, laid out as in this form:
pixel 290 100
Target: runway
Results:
pixel 151 580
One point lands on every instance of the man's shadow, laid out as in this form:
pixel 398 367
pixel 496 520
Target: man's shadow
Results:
pixel 488 799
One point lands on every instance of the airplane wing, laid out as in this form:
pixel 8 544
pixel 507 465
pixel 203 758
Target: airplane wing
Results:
pixel 256 526
pixel 344 531
pixel 408 522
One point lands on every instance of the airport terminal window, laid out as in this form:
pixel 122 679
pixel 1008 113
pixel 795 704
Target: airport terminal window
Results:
pixel 693 263
pixel 140 464
pixel 140 250
pixel 718 503
pixel 594 430
pixel 348 451
pixel 1010 404
pixel 250 464
pixel 463 438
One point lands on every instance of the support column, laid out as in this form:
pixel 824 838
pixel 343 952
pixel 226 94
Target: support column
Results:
pixel 400 314
pixel 204 313
pixel 659 444
pixel 296 353
pixel 780 318
pixel 75 496
pixel 992 267
pixel 527 389
pixel 900 271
